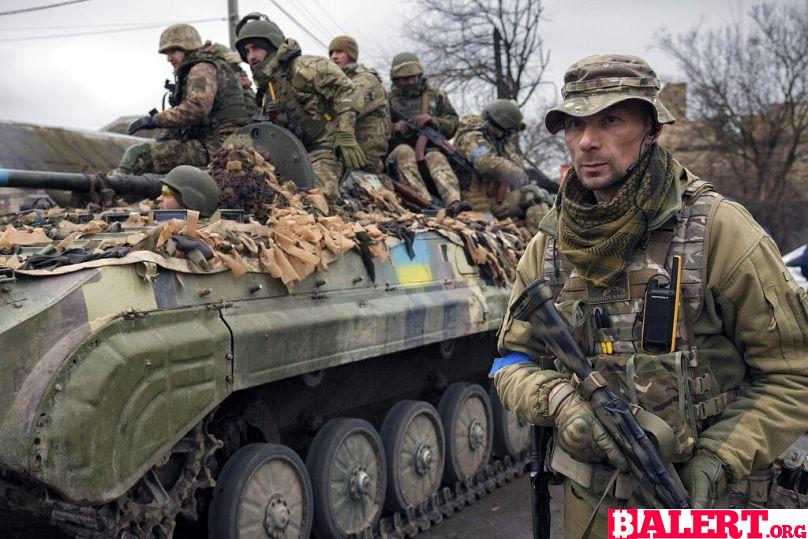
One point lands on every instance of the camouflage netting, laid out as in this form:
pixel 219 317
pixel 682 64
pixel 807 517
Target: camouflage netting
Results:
pixel 291 234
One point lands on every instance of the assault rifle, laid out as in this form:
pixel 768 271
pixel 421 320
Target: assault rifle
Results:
pixel 657 486
pixel 430 134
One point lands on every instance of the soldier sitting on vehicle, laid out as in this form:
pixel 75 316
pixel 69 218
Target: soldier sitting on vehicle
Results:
pixel 500 183
pixel 207 106
pixel 413 97
pixel 189 188
pixel 373 122
pixel 309 95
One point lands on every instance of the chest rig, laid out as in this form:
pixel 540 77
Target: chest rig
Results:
pixel 228 106
pixel 675 386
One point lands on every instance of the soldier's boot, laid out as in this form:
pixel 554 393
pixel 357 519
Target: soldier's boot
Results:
pixel 136 159
pixel 403 158
pixel 327 172
pixel 444 177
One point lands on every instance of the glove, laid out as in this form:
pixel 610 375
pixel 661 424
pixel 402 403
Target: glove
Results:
pixel 580 433
pixel 349 149
pixel 422 119
pixel 514 178
pixel 146 122
pixel 705 480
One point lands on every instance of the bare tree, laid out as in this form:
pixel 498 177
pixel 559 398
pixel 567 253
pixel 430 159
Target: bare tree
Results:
pixel 747 89
pixel 455 38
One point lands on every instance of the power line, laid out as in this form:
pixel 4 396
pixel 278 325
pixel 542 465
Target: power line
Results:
pixel 380 49
pixel 314 37
pixel 37 8
pixel 76 26
pixel 113 31
pixel 319 26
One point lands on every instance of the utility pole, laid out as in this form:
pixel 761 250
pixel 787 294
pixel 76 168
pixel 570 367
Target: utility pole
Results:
pixel 232 20
pixel 502 92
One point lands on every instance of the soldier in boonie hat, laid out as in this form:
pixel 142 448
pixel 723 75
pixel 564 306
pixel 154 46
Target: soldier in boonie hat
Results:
pixel 630 216
pixel 598 82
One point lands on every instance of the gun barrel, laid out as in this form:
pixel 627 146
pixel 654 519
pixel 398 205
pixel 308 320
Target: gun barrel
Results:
pixel 146 186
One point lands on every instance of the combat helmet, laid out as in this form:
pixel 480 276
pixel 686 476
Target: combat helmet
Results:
pixel 179 36
pixel 405 64
pixel 195 188
pixel 505 114
pixel 597 82
pixel 258 27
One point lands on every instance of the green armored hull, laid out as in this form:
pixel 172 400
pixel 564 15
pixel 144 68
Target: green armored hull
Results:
pixel 107 370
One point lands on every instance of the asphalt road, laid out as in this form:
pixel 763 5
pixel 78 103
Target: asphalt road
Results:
pixel 503 514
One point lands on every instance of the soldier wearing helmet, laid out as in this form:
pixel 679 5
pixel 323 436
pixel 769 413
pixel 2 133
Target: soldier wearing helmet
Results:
pixel 207 106
pixel 373 122
pixel 500 184
pixel 729 383
pixel 188 187
pixel 309 95
pixel 412 96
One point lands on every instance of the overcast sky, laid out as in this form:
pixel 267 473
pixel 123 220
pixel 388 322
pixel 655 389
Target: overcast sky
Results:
pixel 88 80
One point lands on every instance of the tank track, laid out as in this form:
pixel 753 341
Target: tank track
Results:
pixel 91 522
pixel 447 501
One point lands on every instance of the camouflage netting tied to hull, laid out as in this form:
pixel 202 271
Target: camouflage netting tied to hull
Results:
pixel 291 233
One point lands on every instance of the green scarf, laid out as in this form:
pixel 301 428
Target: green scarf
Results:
pixel 600 238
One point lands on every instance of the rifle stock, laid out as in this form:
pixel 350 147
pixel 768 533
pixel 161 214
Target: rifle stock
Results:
pixel 657 486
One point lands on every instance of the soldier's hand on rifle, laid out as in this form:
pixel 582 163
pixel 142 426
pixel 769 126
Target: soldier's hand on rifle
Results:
pixel 422 119
pixel 145 122
pixel 580 433
pixel 705 480
pixel 401 127
pixel 349 150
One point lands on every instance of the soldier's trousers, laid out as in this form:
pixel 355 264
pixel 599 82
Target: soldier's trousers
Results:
pixel 439 168
pixel 373 134
pixel 327 171
pixel 159 157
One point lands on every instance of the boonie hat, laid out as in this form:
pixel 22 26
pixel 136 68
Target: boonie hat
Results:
pixel 598 82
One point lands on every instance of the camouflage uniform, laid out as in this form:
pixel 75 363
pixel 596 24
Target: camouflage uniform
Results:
pixel 498 165
pixel 435 102
pixel 208 105
pixel 734 389
pixel 234 61
pixel 373 122
pixel 317 100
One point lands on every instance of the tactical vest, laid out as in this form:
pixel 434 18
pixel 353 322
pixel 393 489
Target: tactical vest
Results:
pixel 676 386
pixel 412 104
pixel 294 116
pixel 372 100
pixel 228 106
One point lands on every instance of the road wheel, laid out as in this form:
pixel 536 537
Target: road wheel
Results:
pixel 413 439
pixel 466 414
pixel 349 475
pixel 511 435
pixel 263 491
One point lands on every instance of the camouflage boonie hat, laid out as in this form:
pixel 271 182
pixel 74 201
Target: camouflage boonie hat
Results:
pixel 179 36
pixel 598 82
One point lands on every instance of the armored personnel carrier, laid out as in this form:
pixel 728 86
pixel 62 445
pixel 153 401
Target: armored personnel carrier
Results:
pixel 146 393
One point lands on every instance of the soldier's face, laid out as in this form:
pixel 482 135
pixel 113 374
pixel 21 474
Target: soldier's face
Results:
pixel 604 145
pixel 340 58
pixel 407 83
pixel 175 57
pixel 255 54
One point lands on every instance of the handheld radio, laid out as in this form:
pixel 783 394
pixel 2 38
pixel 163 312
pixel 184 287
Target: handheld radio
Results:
pixel 660 316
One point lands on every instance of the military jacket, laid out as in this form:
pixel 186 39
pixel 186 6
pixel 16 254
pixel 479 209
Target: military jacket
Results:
pixel 208 101
pixel 495 160
pixel 744 315
pixel 373 122
pixel 424 99
pixel 316 99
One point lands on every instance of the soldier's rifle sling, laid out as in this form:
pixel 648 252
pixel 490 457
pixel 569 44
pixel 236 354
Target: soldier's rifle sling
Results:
pixel 535 306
